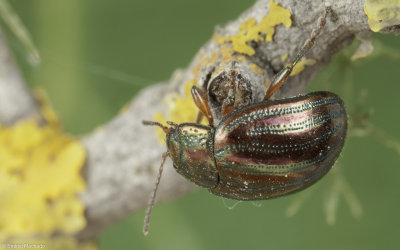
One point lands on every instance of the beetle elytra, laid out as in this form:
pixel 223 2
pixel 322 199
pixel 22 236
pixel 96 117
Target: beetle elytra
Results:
pixel 262 150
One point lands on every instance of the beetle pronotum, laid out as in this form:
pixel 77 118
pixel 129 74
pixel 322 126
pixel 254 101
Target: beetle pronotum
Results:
pixel 262 150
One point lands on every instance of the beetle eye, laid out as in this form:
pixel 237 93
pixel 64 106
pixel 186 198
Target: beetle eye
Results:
pixel 176 134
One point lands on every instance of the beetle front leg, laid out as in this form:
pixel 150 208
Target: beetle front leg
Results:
pixel 200 99
pixel 200 117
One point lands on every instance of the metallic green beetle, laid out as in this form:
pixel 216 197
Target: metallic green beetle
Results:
pixel 262 150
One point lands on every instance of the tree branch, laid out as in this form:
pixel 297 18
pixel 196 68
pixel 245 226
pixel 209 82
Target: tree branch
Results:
pixel 16 102
pixel 123 155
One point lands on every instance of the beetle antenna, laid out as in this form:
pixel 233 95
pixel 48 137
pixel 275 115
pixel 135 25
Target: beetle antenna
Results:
pixel 281 77
pixel 173 124
pixel 153 196
pixel 152 123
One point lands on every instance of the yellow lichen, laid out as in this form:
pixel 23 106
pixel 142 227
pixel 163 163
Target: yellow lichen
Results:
pixel 301 65
pixel 39 179
pixel 382 13
pixel 48 113
pixel 181 108
pixel 256 69
pixel 202 61
pixel 284 57
pixel 251 31
pixel 227 52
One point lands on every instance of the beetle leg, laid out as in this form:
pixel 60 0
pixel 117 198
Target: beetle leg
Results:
pixel 281 77
pixel 200 99
pixel 153 196
pixel 200 117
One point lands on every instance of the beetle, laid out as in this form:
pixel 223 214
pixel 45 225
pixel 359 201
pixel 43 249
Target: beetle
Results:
pixel 263 150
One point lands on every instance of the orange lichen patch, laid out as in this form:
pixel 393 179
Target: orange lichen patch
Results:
pixel 301 65
pixel 251 31
pixel 256 69
pixel 382 13
pixel 181 108
pixel 39 179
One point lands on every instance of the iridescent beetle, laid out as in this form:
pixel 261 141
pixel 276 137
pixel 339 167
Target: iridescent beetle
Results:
pixel 261 151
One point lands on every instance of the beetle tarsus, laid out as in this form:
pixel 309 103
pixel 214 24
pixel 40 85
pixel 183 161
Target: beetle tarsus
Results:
pixel 200 99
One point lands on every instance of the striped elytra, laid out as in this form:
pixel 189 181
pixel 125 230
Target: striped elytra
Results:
pixel 263 150
pixel 278 147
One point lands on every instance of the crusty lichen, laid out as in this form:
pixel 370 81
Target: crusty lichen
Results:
pixel 382 13
pixel 256 69
pixel 251 31
pixel 39 179
pixel 180 108
pixel 301 65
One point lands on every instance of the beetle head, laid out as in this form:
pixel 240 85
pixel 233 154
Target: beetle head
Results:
pixel 190 148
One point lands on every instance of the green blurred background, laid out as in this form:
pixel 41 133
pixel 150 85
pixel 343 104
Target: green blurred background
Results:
pixel 97 55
